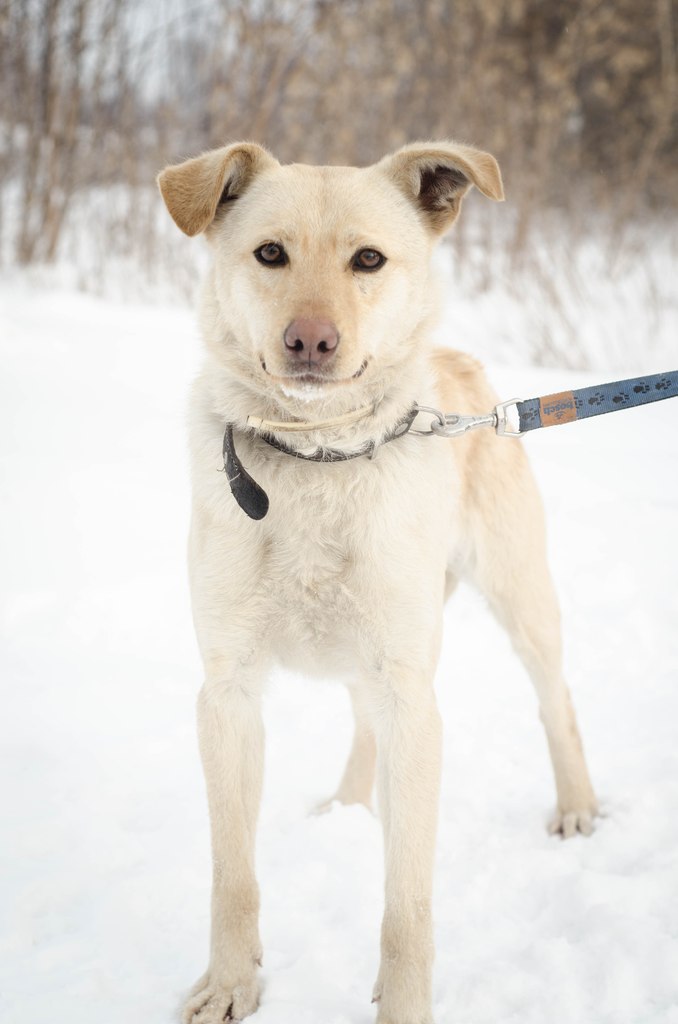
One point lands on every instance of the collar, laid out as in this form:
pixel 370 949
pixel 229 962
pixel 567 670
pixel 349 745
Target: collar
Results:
pixel 252 498
pixel 266 426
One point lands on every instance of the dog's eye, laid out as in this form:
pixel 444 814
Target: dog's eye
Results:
pixel 368 259
pixel 271 255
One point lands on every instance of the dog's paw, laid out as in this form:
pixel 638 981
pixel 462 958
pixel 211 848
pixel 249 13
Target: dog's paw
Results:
pixel 384 1016
pixel 324 807
pixel 398 1006
pixel 345 797
pixel 211 1002
pixel 569 823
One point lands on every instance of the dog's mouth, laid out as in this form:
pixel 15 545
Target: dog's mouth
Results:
pixel 310 381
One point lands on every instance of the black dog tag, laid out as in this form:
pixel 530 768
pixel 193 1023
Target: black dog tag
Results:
pixel 250 496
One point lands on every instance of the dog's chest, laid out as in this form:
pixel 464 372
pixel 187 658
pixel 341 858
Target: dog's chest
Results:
pixel 347 553
pixel 323 563
pixel 316 563
pixel 344 541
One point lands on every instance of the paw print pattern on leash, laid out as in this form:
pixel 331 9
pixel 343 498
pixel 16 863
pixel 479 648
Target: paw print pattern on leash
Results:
pixel 531 415
pixel 566 406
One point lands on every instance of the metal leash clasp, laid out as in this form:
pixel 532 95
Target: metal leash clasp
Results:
pixel 455 425
pixel 452 424
pixel 504 426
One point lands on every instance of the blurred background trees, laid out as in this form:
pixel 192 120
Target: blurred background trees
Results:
pixel 576 98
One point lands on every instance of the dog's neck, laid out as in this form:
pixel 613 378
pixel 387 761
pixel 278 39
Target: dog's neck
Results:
pixel 252 498
pixel 342 420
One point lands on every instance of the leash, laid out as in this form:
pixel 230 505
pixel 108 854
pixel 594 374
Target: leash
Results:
pixel 532 413
pixel 562 407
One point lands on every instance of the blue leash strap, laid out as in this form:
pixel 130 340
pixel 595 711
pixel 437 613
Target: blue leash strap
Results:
pixel 567 406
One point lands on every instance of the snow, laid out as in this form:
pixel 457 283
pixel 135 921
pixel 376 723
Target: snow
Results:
pixel 104 831
pixel 583 301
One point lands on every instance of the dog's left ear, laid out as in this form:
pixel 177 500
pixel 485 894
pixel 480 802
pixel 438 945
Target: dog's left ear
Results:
pixel 435 176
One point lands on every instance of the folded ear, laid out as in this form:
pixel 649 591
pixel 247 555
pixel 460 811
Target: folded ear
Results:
pixel 194 190
pixel 436 175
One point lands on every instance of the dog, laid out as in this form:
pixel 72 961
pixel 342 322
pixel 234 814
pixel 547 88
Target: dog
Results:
pixel 334 536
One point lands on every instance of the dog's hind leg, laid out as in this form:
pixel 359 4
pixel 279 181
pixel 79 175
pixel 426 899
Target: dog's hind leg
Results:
pixel 510 567
pixel 357 782
pixel 451 584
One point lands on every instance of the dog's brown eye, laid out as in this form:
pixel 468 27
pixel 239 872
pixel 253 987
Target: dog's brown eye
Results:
pixel 271 255
pixel 368 259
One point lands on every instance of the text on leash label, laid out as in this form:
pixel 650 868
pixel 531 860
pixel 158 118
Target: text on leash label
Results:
pixel 558 408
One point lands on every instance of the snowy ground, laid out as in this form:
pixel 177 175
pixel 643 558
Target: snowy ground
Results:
pixel 104 835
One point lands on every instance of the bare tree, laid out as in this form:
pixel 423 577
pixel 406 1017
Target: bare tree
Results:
pixel 577 97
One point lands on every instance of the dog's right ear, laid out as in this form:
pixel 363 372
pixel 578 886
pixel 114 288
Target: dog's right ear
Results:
pixel 194 190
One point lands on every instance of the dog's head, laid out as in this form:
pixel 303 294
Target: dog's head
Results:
pixel 321 274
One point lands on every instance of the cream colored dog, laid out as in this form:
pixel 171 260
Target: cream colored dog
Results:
pixel 317 309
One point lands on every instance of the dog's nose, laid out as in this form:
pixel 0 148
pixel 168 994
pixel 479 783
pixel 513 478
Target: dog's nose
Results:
pixel 311 341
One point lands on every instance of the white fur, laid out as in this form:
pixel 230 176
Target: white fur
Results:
pixel 348 572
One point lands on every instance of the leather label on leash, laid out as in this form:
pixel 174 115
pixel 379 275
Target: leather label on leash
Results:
pixel 555 409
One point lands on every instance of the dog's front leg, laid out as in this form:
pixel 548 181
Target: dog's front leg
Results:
pixel 230 733
pixel 408 732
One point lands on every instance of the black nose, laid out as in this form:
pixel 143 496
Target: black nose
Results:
pixel 311 341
